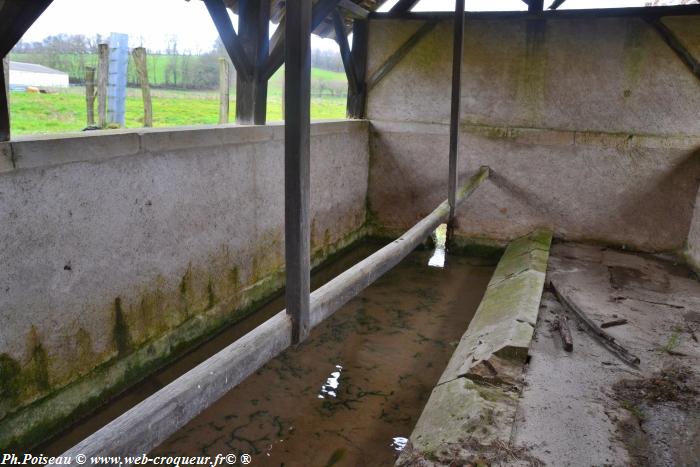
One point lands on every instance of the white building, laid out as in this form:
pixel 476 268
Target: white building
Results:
pixel 29 74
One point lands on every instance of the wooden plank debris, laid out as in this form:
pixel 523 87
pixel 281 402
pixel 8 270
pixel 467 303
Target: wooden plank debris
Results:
pixel 601 336
pixel 565 333
pixel 615 322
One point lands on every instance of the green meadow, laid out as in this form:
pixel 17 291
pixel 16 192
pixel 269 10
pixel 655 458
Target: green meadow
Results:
pixel 65 110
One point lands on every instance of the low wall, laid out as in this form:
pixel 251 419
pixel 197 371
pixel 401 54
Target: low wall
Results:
pixel 589 125
pixel 121 249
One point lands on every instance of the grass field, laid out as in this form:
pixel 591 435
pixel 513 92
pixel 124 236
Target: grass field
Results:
pixel 65 110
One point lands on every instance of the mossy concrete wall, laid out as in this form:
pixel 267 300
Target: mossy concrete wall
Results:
pixel 119 250
pixel 590 127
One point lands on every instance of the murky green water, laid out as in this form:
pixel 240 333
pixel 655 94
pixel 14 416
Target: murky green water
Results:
pixel 352 393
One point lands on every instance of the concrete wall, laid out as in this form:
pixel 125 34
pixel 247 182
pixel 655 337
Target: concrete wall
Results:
pixel 120 249
pixel 591 128
pixel 693 245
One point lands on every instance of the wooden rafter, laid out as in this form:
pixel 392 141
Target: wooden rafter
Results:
pixel 219 14
pixel 16 16
pixel 403 6
pixel 321 10
pixel 353 8
pixel 676 45
pixel 399 54
pixel 342 39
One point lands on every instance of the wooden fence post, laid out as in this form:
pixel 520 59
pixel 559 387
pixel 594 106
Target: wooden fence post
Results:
pixel 90 94
pixel 5 99
pixel 224 87
pixel 139 54
pixel 103 71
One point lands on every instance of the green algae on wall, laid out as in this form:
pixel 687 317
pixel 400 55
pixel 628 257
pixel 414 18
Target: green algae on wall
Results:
pixel 532 84
pixel 143 341
pixel 634 54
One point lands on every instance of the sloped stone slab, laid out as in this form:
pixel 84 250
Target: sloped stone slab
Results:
pixel 504 322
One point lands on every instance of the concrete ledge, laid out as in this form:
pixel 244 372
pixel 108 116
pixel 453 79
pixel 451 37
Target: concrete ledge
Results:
pixel 546 136
pixel 474 403
pixel 48 150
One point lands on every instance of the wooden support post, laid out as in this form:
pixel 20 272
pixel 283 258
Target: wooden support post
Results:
pixel 297 83
pixel 102 76
pixel 535 6
pixel 321 10
pixel 219 14
pixel 403 6
pixel 224 89
pixel 4 99
pixel 556 4
pixel 399 55
pixel 133 433
pixel 253 33
pixel 90 95
pixel 139 54
pixel 357 99
pixel 454 111
pixel 341 39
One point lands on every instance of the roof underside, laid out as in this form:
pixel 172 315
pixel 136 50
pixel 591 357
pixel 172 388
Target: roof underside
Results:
pixel 325 29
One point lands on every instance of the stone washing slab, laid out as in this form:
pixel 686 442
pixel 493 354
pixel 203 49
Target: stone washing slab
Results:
pixel 466 410
pixel 504 322
pixel 472 409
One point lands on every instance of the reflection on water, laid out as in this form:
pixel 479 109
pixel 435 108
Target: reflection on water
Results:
pixel 375 361
pixel 438 258
pixel 332 383
pixel 398 443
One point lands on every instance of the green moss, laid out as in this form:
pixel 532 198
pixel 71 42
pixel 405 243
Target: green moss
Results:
pixel 224 301
pixel 634 54
pixel 531 79
pixel 9 379
pixel 37 372
pixel 488 250
pixel 120 332
pixel 211 298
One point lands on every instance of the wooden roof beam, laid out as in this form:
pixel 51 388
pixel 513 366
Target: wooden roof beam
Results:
pixel 342 39
pixel 353 8
pixel 219 14
pixel 403 6
pixel 321 10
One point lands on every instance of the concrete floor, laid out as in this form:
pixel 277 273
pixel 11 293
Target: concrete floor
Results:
pixel 587 407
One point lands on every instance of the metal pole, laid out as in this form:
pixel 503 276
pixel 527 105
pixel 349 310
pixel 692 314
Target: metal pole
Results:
pixel 297 88
pixel 454 114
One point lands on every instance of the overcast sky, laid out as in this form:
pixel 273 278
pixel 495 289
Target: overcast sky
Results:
pixel 152 23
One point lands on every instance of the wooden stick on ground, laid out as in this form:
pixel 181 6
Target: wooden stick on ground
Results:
pixel 603 337
pixel 565 333
pixel 615 322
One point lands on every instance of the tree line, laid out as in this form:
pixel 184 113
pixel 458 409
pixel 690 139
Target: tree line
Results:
pixel 167 69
